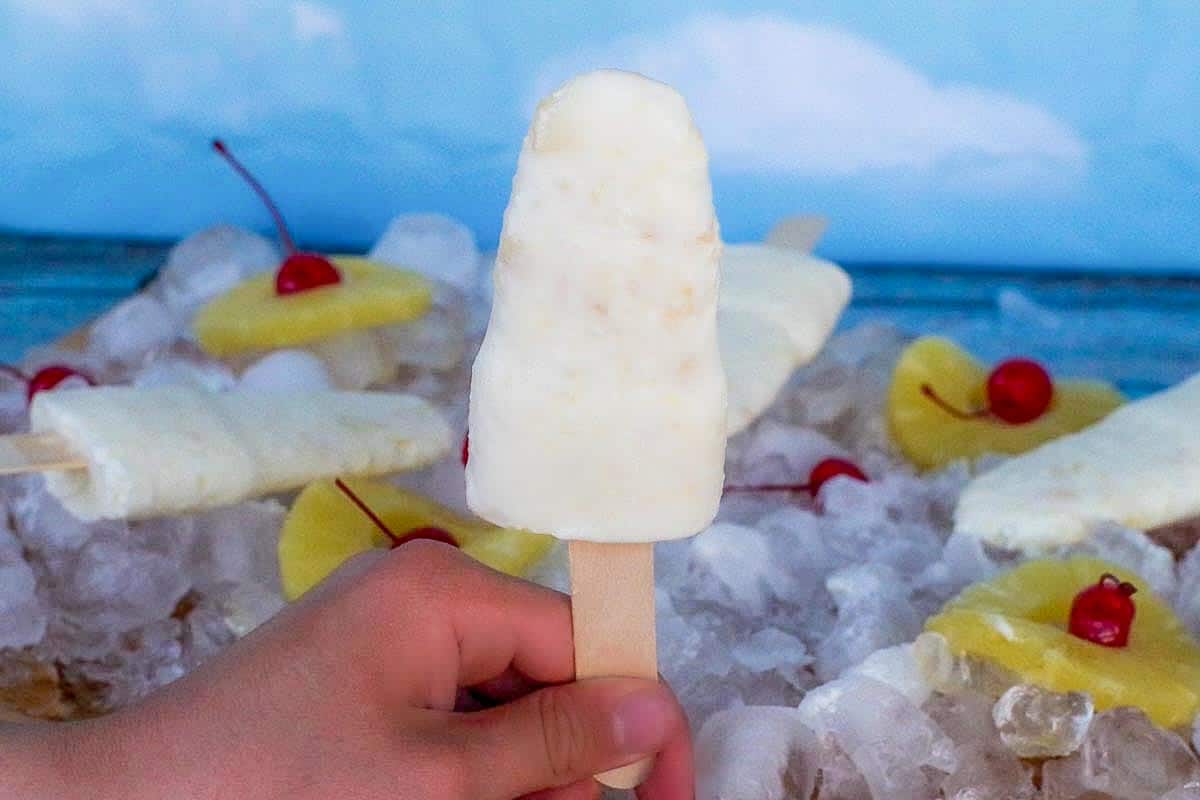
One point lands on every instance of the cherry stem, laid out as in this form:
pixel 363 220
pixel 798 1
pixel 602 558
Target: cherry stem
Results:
pixel 8 369
pixel 929 392
pixel 363 507
pixel 284 235
pixel 1110 581
pixel 771 487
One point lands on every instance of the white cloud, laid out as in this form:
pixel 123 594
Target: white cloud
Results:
pixel 77 14
pixel 311 22
pixel 775 95
pixel 222 66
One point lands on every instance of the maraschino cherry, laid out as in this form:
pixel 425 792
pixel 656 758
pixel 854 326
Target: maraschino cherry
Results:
pixel 427 532
pixel 1018 391
pixel 466 449
pixel 1103 612
pixel 300 271
pixel 46 379
pixel 822 473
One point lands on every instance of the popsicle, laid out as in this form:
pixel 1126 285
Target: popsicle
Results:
pixel 123 452
pixel 597 408
pixel 1139 466
pixel 776 310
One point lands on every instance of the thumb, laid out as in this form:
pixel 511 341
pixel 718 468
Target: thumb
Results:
pixel 563 734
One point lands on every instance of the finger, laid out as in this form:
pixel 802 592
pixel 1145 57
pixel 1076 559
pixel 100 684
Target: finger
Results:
pixel 586 789
pixel 506 687
pixel 563 734
pixel 673 776
pixel 479 619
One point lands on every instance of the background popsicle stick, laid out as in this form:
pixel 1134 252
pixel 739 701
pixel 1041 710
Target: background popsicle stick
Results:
pixel 799 233
pixel 36 452
pixel 612 609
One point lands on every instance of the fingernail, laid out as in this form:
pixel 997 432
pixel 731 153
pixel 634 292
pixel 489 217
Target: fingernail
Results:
pixel 642 719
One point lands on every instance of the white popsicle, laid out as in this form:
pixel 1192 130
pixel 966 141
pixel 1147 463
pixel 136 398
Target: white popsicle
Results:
pixel 598 399
pixel 169 450
pixel 1139 466
pixel 597 406
pixel 776 311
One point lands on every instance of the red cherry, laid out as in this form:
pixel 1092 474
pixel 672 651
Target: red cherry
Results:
pixel 303 271
pixel 822 473
pixel 1103 613
pixel 466 449
pixel 429 532
pixel 832 468
pixel 299 271
pixel 48 378
pixel 1018 391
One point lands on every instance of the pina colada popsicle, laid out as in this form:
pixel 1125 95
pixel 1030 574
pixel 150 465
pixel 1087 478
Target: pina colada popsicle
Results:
pixel 597 409
pixel 1139 466
pixel 152 452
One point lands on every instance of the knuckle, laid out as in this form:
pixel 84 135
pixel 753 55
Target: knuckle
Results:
pixel 565 737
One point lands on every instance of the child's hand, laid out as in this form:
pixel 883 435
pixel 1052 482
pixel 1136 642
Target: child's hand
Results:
pixel 358 691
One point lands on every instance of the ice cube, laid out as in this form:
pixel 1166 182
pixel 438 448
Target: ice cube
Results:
pixel 989 774
pixel 873 612
pixel 776 453
pixel 357 359
pixel 755 753
pixel 1124 755
pixel 22 614
pixel 132 330
pixel 238 545
pixel 1133 550
pixel 286 370
pixel 985 769
pixel 732 566
pixel 438 339
pixel 246 606
pixel 898 668
pixel 434 244
pixel 1037 723
pixel 901 753
pixel 1187 596
pixel 41 522
pixel 775 651
pixel 117 585
pixel 209 263
pixel 837 777
pixel 211 376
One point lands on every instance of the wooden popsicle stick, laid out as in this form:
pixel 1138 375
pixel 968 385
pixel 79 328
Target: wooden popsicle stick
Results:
pixel 612 610
pixel 37 452
pixel 799 233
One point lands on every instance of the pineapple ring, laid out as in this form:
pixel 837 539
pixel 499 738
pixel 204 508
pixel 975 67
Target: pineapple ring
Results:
pixel 1019 621
pixel 252 317
pixel 324 528
pixel 931 438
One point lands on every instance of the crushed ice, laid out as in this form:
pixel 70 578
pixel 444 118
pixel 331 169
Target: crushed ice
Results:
pixel 787 628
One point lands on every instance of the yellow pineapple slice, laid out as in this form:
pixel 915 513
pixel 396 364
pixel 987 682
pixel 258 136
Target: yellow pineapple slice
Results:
pixel 931 437
pixel 1019 621
pixel 252 317
pixel 324 528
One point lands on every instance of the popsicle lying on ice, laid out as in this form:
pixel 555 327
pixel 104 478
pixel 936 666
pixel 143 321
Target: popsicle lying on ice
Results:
pixel 776 310
pixel 597 409
pixel 134 453
pixel 1140 466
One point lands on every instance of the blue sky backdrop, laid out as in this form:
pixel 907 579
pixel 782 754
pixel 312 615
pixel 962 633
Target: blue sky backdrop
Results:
pixel 1027 133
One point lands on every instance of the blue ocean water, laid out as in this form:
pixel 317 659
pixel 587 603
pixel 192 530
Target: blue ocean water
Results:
pixel 1140 331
